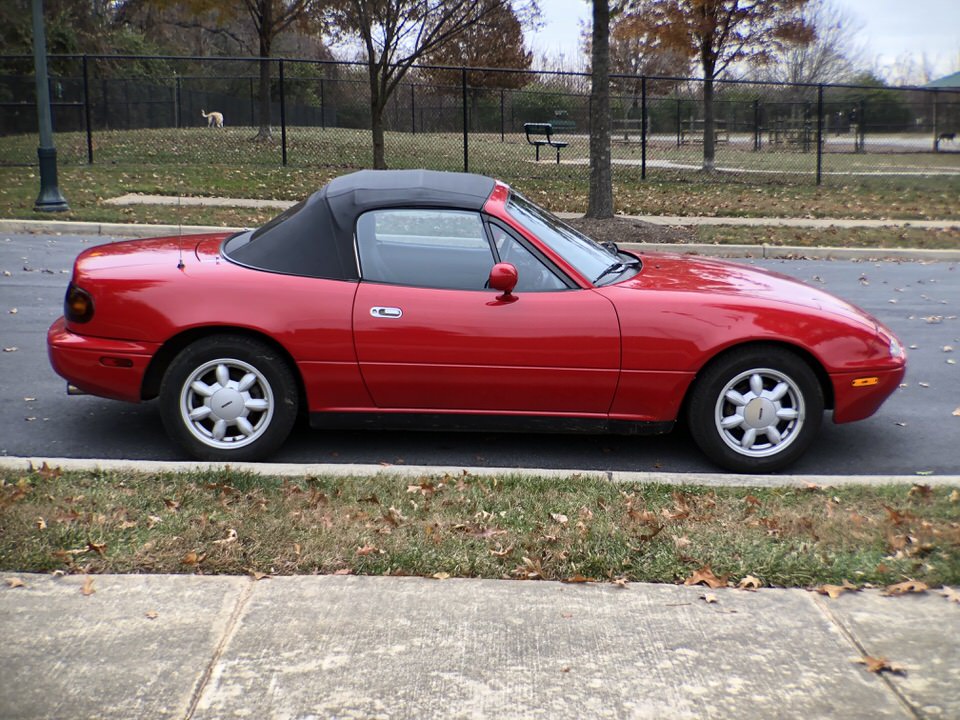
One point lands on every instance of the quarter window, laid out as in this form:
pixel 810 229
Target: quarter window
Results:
pixel 445 249
pixel 532 274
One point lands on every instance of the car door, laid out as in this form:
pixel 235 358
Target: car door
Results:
pixel 430 336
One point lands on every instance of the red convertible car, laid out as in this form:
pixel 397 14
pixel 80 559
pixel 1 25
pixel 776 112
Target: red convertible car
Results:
pixel 417 298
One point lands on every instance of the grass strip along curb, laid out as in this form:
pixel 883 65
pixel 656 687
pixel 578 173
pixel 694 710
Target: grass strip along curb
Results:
pixel 569 527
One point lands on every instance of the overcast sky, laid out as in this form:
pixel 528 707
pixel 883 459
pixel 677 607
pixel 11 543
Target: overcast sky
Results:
pixel 891 30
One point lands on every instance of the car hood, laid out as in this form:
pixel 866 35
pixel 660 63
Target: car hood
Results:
pixel 687 273
pixel 160 251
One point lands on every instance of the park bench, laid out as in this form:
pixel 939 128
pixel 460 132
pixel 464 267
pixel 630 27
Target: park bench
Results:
pixel 539 134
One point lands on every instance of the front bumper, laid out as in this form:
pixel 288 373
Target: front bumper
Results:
pixel 99 366
pixel 853 402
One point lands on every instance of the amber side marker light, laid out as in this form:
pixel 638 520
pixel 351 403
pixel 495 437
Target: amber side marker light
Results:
pixel 865 381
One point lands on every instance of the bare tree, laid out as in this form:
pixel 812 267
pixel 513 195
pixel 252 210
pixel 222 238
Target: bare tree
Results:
pixel 834 55
pixel 395 34
pixel 720 33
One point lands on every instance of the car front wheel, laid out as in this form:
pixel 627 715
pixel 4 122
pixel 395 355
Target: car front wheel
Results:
pixel 756 410
pixel 229 398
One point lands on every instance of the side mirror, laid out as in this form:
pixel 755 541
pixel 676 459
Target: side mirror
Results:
pixel 503 277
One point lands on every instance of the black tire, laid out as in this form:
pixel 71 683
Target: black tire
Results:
pixel 784 416
pixel 229 398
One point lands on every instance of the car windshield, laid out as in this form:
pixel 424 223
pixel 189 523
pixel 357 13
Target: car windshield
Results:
pixel 591 260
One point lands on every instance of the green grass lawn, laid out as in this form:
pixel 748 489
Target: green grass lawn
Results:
pixel 468 526
pixel 228 162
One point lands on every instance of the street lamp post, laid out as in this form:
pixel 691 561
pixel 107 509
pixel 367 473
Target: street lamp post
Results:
pixel 49 199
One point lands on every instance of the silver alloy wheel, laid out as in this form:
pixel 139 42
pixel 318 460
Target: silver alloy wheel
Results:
pixel 226 403
pixel 760 412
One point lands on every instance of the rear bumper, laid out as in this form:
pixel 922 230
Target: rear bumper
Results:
pixel 99 366
pixel 856 403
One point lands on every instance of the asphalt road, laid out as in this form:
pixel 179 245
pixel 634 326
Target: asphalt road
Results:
pixel 915 431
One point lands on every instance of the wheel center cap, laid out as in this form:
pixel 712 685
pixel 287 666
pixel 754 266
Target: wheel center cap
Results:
pixel 227 404
pixel 760 413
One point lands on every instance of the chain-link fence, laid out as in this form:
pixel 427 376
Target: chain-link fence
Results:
pixel 116 109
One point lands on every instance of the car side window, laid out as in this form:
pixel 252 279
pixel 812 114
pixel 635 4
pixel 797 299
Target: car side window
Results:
pixel 446 249
pixel 533 275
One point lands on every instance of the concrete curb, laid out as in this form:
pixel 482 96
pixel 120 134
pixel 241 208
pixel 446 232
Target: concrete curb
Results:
pixel 786 252
pixel 416 471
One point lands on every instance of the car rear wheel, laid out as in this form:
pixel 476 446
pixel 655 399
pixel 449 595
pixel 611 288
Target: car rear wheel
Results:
pixel 229 398
pixel 756 410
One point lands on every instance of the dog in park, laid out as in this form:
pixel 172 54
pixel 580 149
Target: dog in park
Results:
pixel 214 119
pixel 946 136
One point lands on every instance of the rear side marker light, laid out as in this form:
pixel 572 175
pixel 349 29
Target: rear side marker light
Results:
pixel 116 362
pixel 865 381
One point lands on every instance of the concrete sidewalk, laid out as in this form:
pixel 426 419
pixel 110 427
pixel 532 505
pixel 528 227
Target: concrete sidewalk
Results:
pixel 185 646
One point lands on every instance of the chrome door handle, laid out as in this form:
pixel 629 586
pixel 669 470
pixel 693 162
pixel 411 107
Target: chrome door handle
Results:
pixel 386 312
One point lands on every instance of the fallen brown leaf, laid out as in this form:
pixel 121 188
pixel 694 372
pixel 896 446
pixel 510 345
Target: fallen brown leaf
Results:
pixel 47 472
pixel 257 575
pixel 881 664
pixel 191 558
pixel 951 594
pixel 835 591
pixel 709 598
pixel 441 576
pixel 573 579
pixel 750 583
pixel 88 588
pixel 151 614
pixel 15 583
pixel 907 586
pixel 366 550
pixel 705 576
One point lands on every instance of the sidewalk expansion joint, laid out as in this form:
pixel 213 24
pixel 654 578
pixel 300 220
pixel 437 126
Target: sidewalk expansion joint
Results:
pixel 229 631
pixel 851 638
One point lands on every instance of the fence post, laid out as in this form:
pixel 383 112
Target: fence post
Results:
pixel 819 133
pixel 643 127
pixel 179 102
pixel 86 110
pixel 283 118
pixel 413 109
pixel 861 129
pixel 501 114
pixel 936 134
pixel 678 123
pixel 323 107
pixel 463 87
pixel 757 138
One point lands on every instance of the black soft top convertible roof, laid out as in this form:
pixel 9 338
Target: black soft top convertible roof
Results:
pixel 315 237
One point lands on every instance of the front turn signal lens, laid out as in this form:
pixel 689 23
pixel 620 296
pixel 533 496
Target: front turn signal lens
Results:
pixel 77 305
pixel 866 381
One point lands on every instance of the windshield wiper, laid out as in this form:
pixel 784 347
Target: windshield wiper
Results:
pixel 616 267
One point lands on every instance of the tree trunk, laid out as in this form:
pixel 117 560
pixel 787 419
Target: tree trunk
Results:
pixel 600 204
pixel 376 127
pixel 709 147
pixel 265 132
